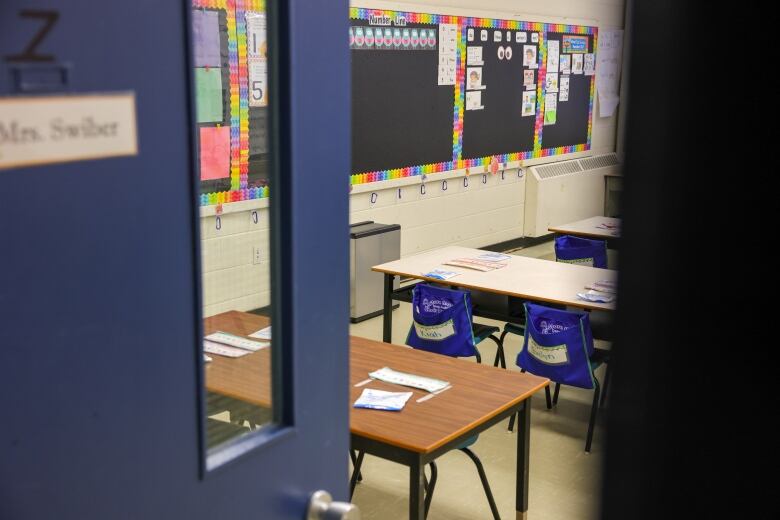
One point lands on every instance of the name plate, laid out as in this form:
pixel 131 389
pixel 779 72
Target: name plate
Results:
pixel 56 129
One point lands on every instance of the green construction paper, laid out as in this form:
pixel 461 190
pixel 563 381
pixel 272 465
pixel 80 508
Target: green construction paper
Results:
pixel 550 117
pixel 208 93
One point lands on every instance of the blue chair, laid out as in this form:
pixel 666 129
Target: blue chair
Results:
pixel 581 251
pixel 558 344
pixel 443 325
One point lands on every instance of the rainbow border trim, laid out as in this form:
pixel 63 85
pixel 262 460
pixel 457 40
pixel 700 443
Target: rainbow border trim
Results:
pixel 239 101
pixel 359 13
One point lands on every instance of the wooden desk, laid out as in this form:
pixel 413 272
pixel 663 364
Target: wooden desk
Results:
pixel 588 228
pixel 480 396
pixel 525 278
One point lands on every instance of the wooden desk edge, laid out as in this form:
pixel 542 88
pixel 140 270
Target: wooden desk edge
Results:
pixel 459 432
pixel 579 305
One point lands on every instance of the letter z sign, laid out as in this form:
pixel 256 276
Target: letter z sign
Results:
pixel 30 53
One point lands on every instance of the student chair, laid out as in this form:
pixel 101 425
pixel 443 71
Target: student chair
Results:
pixel 558 344
pixel 581 251
pixel 442 324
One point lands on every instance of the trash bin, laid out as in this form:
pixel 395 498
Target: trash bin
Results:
pixel 370 244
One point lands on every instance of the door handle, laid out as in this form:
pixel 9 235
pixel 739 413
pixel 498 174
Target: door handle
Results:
pixel 322 507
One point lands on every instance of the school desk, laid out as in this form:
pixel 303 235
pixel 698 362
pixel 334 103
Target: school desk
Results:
pixel 589 228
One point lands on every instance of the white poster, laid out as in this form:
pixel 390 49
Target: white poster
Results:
pixel 589 67
pixel 565 64
pixel 474 78
pixel 553 48
pixel 448 49
pixel 474 100
pixel 563 89
pixel 529 56
pixel 474 56
pixel 551 82
pixel 576 63
pixel 529 103
pixel 610 53
pixel 257 59
pixel 550 109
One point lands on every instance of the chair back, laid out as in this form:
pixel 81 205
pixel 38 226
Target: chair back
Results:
pixel 558 345
pixel 581 251
pixel 441 321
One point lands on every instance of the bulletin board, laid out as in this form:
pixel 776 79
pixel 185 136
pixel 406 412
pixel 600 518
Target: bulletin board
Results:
pixel 230 67
pixel 508 101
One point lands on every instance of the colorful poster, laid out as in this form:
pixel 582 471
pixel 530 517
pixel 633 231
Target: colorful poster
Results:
pixel 529 56
pixel 564 89
pixel 550 109
pixel 474 75
pixel 208 94
pixel 474 100
pixel 574 44
pixel 565 64
pixel 529 103
pixel 589 67
pixel 528 79
pixel 214 152
pixel 552 55
pixel 205 38
pixel 576 63
pixel 551 82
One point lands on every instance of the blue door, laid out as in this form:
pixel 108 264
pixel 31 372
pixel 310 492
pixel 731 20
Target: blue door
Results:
pixel 105 390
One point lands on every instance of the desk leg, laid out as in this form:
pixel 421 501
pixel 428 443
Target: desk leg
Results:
pixel 523 455
pixel 387 315
pixel 416 491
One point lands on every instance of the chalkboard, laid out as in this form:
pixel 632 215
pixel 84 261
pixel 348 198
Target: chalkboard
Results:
pixel 499 128
pixel 400 115
pixel 404 123
pixel 571 127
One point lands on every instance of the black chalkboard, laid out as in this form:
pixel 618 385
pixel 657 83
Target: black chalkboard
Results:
pixel 571 127
pixel 499 128
pixel 400 115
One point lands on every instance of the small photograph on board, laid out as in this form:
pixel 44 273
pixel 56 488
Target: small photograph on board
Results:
pixel 589 67
pixel 521 37
pixel 565 64
pixel 529 103
pixel 474 100
pixel 552 55
pixel 576 63
pixel 528 79
pixel 474 55
pixel 551 82
pixel 550 108
pixel 474 76
pixel 529 56
pixel 563 92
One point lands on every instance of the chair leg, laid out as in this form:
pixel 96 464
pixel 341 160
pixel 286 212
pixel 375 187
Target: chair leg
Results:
pixel 593 410
pixel 547 396
pixel 555 394
pixel 478 356
pixel 606 383
pixel 499 352
pixel 353 456
pixel 355 473
pixel 485 483
pixel 430 486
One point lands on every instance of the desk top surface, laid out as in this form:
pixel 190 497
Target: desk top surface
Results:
pixel 523 277
pixel 477 392
pixel 588 228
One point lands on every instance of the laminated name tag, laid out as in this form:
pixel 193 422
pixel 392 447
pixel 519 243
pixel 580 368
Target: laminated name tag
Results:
pixel 388 375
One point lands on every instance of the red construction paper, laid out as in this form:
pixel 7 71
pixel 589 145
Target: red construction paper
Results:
pixel 214 152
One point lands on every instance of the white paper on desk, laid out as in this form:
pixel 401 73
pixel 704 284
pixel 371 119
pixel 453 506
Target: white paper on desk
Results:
pixel 494 257
pixel 594 296
pixel 223 350
pixel 232 340
pixel 262 333
pixel 381 400
pixel 440 274
pixel 388 375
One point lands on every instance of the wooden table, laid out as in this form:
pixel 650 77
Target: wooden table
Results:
pixel 588 228
pixel 479 397
pixel 523 277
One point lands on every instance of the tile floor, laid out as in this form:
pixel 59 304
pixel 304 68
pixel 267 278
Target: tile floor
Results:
pixel 564 480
